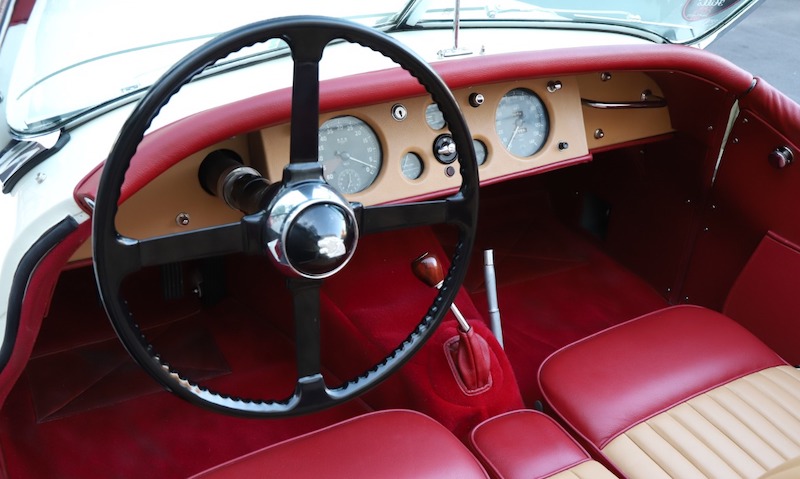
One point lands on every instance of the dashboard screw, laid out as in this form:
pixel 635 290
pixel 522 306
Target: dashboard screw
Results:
pixel 599 134
pixel 182 219
pixel 605 76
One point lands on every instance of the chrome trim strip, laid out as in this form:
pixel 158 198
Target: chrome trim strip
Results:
pixel 20 156
pixel 648 101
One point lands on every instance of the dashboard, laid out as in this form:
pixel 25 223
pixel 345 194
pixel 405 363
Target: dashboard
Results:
pixel 399 150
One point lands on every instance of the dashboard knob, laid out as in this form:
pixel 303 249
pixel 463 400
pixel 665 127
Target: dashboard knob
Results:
pixel 781 157
pixel 444 149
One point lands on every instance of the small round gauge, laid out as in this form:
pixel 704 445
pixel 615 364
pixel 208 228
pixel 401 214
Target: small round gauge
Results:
pixel 480 151
pixel 434 117
pixel 411 165
pixel 350 153
pixel 521 122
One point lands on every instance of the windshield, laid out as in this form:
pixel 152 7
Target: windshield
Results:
pixel 675 21
pixel 78 55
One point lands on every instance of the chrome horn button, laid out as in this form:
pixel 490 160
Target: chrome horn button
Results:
pixel 311 230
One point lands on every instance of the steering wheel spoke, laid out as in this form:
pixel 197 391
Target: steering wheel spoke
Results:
pixel 305 295
pixel 203 243
pixel 377 219
pixel 307 50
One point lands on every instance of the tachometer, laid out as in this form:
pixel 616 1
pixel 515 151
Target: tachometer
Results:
pixel 521 122
pixel 350 153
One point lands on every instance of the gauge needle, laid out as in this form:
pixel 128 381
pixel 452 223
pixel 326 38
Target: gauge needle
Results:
pixel 346 156
pixel 513 135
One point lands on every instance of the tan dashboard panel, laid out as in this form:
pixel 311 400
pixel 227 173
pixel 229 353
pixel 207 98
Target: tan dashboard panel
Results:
pixel 621 125
pixel 566 139
pixel 153 210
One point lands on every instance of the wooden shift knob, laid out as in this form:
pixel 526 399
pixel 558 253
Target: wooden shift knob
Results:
pixel 428 269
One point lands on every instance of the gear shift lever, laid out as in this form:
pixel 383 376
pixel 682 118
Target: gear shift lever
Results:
pixel 468 353
pixel 428 270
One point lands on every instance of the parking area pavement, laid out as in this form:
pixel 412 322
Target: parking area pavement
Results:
pixel 766 44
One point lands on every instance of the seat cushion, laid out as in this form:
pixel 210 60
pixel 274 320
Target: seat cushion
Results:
pixel 393 444
pixel 681 392
pixel 608 382
pixel 745 428
pixel 527 444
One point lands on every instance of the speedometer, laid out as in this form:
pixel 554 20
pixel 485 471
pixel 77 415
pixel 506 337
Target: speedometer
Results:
pixel 350 153
pixel 521 122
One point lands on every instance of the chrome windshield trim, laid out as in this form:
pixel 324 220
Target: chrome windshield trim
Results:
pixel 20 156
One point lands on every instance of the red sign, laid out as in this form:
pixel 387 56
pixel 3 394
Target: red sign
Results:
pixel 695 10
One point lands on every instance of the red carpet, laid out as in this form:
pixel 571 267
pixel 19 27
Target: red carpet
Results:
pixel 82 409
pixel 554 285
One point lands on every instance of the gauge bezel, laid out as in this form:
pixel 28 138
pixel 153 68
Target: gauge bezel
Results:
pixel 541 117
pixel 418 159
pixel 369 167
pixel 438 123
pixel 479 146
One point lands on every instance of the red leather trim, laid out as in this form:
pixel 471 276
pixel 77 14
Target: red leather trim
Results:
pixel 170 144
pixel 775 109
pixel 390 443
pixel 750 197
pixel 767 288
pixel 524 444
pixel 470 361
pixel 22 11
pixel 36 303
pixel 615 379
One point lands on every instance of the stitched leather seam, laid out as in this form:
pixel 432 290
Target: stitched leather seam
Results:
pixel 713 445
pixel 765 416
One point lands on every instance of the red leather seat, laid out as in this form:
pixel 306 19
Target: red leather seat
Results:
pixel 681 392
pixel 396 444
pixel 529 445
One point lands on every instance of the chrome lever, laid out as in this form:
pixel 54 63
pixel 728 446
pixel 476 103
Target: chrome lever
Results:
pixel 649 100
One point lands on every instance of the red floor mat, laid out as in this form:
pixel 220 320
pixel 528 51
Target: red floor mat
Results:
pixel 84 410
pixel 100 374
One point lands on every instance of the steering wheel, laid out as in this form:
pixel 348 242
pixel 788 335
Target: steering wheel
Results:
pixel 307 228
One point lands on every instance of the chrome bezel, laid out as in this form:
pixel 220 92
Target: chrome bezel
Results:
pixel 284 210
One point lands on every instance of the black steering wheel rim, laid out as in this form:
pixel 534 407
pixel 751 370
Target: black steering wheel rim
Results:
pixel 303 34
